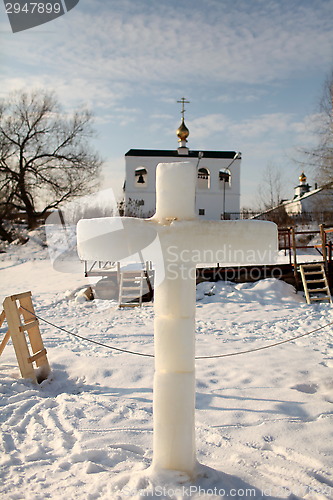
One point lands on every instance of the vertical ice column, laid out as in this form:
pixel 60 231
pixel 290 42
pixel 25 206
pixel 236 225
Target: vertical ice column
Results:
pixel 175 191
pixel 174 379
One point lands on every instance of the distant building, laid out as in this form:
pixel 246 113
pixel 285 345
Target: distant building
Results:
pixel 308 205
pixel 306 201
pixel 218 185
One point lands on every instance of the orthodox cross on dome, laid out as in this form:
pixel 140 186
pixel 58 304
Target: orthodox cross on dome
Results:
pixel 183 101
pixel 182 131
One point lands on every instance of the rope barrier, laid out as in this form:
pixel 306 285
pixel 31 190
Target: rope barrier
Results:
pixel 85 338
pixel 264 347
pixel 227 355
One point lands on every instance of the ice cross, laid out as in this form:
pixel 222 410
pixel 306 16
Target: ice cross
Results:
pixel 184 241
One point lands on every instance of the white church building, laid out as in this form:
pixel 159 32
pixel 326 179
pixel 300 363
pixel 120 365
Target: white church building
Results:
pixel 218 183
pixel 307 200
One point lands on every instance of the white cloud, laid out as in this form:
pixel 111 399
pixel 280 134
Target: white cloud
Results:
pixel 274 124
pixel 261 138
pixel 206 126
pixel 113 175
pixel 272 127
pixel 306 130
pixel 239 97
pixel 97 52
pixel 72 92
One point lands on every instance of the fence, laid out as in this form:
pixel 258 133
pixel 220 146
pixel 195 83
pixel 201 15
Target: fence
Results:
pixel 291 240
pixel 280 217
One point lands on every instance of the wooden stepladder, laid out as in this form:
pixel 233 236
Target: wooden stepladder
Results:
pixel 131 288
pixel 19 313
pixel 315 282
pixel 133 284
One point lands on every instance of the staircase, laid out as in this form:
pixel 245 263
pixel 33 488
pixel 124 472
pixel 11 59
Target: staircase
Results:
pixel 315 282
pixel 133 284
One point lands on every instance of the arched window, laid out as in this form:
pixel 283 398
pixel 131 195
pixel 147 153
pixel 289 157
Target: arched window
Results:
pixel 141 177
pixel 224 178
pixel 203 178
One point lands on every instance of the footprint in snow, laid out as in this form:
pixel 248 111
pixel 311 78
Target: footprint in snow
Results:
pixel 307 388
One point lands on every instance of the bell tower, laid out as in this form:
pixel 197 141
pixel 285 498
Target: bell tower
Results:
pixel 303 187
pixel 217 183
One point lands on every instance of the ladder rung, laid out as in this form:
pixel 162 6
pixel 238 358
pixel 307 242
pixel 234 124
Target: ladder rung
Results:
pixel 320 298
pixel 19 296
pixel 312 272
pixel 315 264
pixel 131 275
pixel 37 355
pixel 315 281
pixel 130 304
pixel 29 325
pixel 131 288
pixel 317 290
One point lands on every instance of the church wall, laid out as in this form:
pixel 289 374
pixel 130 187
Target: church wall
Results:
pixel 142 197
pixel 317 202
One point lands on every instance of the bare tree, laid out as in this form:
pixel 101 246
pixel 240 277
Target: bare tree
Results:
pixel 45 158
pixel 6 211
pixel 321 157
pixel 270 189
pixel 325 148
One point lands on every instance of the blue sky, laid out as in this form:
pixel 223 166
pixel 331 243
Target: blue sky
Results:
pixel 252 69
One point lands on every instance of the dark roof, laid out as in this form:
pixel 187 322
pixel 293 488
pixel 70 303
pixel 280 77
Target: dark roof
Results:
pixel 174 153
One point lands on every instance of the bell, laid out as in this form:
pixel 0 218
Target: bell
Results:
pixel 224 176
pixel 141 179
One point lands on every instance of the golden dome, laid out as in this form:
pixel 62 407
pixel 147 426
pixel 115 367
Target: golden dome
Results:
pixel 183 132
pixel 302 177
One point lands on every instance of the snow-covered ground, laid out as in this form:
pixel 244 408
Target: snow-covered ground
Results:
pixel 263 420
